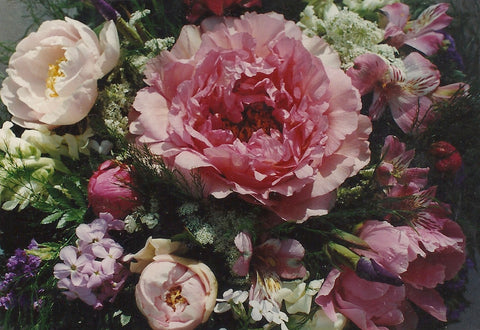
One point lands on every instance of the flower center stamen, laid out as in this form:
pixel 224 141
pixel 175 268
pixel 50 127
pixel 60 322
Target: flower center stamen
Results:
pixel 174 297
pixel 255 116
pixel 54 72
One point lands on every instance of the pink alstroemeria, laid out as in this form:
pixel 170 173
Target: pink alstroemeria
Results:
pixel 421 33
pixel 274 256
pixel 409 93
pixel 243 242
pixel 394 168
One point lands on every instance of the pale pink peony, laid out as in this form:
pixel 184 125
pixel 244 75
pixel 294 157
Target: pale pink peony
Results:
pixel 199 8
pixel 110 190
pixel 370 305
pixel 176 293
pixel 52 76
pixel 248 104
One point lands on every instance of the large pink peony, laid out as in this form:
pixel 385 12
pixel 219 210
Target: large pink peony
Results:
pixel 52 76
pixel 258 109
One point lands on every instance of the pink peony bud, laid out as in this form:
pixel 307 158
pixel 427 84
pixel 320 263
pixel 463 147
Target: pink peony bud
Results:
pixel 110 190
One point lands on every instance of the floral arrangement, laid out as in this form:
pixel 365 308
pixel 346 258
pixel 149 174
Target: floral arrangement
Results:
pixel 237 164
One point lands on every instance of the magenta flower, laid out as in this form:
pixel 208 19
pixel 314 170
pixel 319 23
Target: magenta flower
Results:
pixel 110 190
pixel 421 33
pixel 199 8
pixel 255 108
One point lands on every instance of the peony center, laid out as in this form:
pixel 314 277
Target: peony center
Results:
pixel 174 297
pixel 255 116
pixel 54 72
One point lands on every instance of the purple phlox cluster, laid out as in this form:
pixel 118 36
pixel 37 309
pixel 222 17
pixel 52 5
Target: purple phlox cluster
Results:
pixel 20 268
pixel 92 271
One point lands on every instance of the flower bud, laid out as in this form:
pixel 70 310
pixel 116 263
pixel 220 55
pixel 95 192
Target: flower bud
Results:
pixel 448 158
pixel 370 270
pixel 110 190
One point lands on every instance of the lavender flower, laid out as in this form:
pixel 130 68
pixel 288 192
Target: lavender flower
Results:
pixel 92 271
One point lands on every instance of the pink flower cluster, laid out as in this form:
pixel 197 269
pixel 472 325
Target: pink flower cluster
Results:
pixel 92 271
pixel 425 253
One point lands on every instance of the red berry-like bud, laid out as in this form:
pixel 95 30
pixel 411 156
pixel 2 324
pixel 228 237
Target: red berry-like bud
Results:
pixel 449 164
pixel 448 158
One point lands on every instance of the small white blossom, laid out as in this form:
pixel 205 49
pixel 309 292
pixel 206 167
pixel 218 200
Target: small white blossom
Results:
pixel 137 16
pixel 131 225
pixel 205 235
pixel 229 297
pixel 103 148
pixel 150 220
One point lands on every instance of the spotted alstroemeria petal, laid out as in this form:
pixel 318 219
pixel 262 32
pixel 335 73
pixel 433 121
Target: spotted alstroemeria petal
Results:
pixel 423 76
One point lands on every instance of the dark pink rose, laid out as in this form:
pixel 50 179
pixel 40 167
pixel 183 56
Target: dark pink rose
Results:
pixel 110 190
pixel 255 108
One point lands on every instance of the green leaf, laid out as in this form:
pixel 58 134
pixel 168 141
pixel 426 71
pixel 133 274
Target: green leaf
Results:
pixel 124 319
pixel 52 218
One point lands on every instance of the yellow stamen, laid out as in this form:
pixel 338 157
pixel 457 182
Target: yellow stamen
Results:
pixel 174 297
pixel 53 73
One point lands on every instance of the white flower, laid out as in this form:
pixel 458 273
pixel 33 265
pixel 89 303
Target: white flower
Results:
pixel 150 220
pixel 52 76
pixel 103 148
pixel 131 225
pixel 298 296
pixel 229 297
pixel 370 5
pixel 321 321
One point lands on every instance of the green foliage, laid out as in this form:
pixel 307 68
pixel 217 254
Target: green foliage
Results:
pixel 66 204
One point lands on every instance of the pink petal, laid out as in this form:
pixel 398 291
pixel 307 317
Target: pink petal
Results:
pixel 429 300
pixel 433 18
pixel 367 70
pixel 397 14
pixel 427 43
